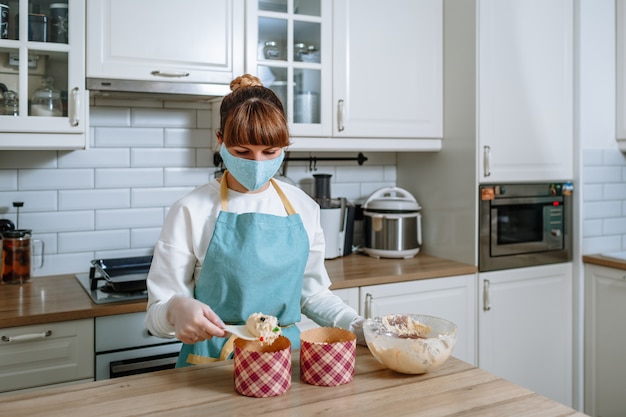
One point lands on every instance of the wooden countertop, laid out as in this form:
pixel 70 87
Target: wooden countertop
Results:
pixel 359 270
pixel 602 260
pixel 457 388
pixel 61 298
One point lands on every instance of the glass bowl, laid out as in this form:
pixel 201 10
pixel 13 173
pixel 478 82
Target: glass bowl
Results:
pixel 410 353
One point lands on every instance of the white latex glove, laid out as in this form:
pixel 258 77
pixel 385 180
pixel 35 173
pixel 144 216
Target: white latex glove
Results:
pixel 193 320
pixel 356 327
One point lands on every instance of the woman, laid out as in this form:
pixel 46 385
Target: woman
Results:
pixel 242 244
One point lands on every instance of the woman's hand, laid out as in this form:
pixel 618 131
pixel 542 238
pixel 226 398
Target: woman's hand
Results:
pixel 193 320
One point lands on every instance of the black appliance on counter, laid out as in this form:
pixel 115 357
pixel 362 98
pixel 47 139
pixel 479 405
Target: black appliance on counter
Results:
pixel 117 279
pixel 524 225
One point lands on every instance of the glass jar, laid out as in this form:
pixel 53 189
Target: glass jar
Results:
pixel 271 50
pixel 9 106
pixel 299 49
pixel 46 101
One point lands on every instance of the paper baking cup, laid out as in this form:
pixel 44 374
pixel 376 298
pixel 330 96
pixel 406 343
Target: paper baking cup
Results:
pixel 327 356
pixel 262 370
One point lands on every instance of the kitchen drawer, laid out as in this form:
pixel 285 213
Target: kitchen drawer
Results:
pixel 124 331
pixel 38 355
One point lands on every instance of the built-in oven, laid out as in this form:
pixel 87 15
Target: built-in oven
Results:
pixel 524 225
pixel 125 347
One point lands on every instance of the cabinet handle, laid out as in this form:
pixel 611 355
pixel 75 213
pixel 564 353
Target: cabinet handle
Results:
pixel 174 74
pixel 26 337
pixel 368 306
pixel 487 161
pixel 340 115
pixel 75 116
pixel 486 300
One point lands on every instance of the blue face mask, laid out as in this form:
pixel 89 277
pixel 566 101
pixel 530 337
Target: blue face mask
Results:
pixel 250 173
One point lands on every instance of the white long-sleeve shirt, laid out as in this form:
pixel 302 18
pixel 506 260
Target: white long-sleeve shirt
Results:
pixel 186 234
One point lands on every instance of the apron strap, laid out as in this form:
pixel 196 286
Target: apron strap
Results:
pixel 224 195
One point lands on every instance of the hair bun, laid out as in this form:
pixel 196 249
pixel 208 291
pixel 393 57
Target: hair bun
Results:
pixel 246 80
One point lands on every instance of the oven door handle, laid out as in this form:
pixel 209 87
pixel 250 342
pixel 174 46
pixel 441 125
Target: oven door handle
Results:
pixel 526 200
pixel 149 364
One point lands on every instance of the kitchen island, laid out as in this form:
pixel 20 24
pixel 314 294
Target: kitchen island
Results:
pixel 456 388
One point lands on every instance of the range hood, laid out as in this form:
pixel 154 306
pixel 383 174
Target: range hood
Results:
pixel 179 91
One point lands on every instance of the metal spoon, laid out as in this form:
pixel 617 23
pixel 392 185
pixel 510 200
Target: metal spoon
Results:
pixel 240 331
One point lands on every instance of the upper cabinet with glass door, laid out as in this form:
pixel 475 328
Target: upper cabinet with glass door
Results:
pixel 288 48
pixel 42 74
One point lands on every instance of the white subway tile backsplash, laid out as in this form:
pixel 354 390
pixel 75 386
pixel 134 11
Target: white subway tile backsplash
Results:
pixel 604 206
pixel 163 157
pixel 94 199
pixel 601 244
pixel 602 175
pixel 58 221
pixel 593 192
pixel 54 179
pixel 49 240
pixel 592 227
pixel 176 177
pixel 602 209
pixel 109 116
pixel 129 177
pixel 33 201
pixel 95 158
pixel 592 157
pixel 615 191
pixel 612 158
pixel 65 263
pixel 616 226
pixel 93 240
pixel 28 159
pixel 111 199
pixel 163 118
pixel 188 138
pixel 204 119
pixel 144 237
pixel 127 137
pixel 204 158
pixel 8 179
pixel 129 218
pixel 157 197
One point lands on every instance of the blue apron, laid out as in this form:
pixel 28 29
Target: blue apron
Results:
pixel 254 264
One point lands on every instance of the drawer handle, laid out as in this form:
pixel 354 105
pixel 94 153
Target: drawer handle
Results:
pixel 486 295
pixel 368 306
pixel 173 74
pixel 26 337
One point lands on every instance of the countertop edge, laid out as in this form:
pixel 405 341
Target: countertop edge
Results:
pixel 60 298
pixel 600 260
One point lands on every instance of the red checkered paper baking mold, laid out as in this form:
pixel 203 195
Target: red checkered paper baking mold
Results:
pixel 262 370
pixel 327 356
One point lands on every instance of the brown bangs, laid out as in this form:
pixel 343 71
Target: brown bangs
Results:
pixel 255 122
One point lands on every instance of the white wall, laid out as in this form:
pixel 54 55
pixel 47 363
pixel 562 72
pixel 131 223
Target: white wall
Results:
pixel 110 200
pixel 602 165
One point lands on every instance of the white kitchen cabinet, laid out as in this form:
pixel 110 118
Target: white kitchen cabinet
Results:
pixel 525 328
pixel 46 354
pixel 187 41
pixel 451 298
pixel 525 90
pixel 388 68
pixel 31 53
pixel 605 341
pixel 350 296
pixel 374 81
pixel 620 26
